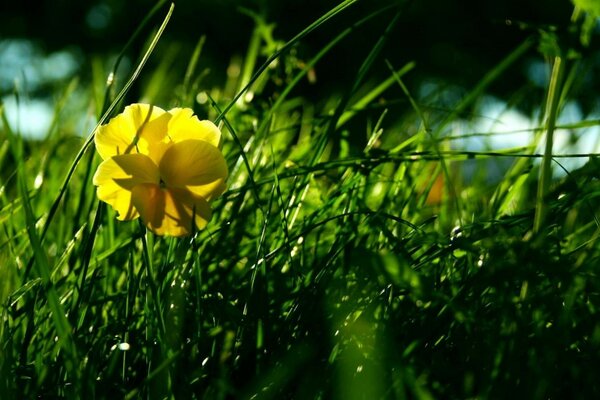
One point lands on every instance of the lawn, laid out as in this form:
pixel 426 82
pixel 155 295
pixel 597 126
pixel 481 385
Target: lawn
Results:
pixel 383 231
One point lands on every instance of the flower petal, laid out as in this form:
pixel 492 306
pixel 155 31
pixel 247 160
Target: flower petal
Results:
pixel 156 151
pixel 172 212
pixel 196 166
pixel 184 125
pixel 118 175
pixel 132 131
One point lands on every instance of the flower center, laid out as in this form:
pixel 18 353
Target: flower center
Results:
pixel 162 184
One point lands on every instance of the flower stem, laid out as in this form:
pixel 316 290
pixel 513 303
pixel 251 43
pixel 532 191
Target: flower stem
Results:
pixel 148 247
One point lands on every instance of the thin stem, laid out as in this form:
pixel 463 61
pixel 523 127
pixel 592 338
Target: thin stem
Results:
pixel 545 171
pixel 148 259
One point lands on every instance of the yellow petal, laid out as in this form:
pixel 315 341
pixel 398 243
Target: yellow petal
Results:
pixel 118 175
pixel 196 166
pixel 184 125
pixel 156 151
pixel 116 137
pixel 172 212
pixel 132 131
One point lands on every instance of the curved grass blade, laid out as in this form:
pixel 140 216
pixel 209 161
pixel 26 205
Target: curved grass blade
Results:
pixel 373 94
pixel 61 323
pixel 110 81
pixel 110 109
pixel 333 12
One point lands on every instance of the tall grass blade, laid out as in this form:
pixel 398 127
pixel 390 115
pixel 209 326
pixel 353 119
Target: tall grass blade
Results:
pixel 554 90
pixel 320 21
pixel 64 332
pixel 102 119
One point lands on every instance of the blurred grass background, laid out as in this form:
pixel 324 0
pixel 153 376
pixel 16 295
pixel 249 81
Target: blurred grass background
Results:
pixel 383 234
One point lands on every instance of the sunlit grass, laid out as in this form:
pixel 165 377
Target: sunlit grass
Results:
pixel 355 255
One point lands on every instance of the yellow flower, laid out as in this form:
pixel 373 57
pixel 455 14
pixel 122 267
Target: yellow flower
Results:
pixel 162 166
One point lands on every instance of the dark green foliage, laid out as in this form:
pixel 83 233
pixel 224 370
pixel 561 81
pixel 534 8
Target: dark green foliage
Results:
pixel 355 255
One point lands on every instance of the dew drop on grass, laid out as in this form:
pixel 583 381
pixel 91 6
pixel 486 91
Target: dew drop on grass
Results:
pixel 480 261
pixel 455 233
pixel 39 179
pixel 294 251
pixel 124 346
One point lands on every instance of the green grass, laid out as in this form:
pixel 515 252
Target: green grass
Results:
pixel 349 257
